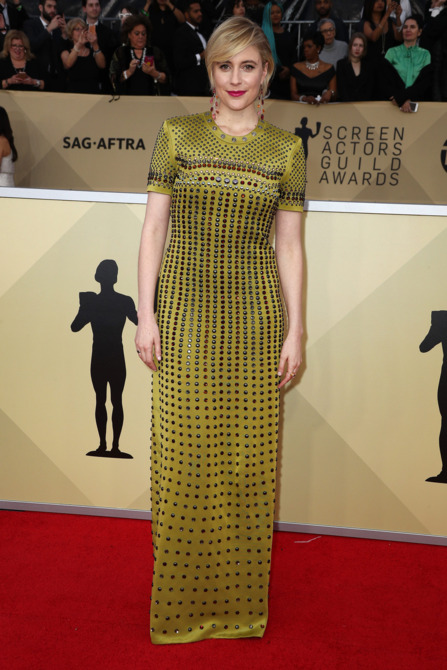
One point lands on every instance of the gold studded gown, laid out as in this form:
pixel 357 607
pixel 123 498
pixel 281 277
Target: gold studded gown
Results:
pixel 215 397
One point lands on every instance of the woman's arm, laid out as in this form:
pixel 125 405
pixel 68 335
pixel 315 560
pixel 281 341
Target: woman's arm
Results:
pixel 293 88
pixel 374 35
pixel 289 258
pixel 153 238
pixel 331 92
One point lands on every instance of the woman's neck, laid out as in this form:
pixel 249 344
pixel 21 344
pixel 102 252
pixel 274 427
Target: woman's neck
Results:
pixel 18 62
pixel 237 123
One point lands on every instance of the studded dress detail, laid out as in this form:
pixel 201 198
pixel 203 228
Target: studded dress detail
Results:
pixel 215 403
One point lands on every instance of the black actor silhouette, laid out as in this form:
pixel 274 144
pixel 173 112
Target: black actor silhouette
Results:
pixel 107 312
pixel 306 133
pixel 437 334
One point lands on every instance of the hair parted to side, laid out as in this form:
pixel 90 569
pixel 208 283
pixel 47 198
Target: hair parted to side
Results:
pixel 233 36
pixel 74 23
pixel 16 35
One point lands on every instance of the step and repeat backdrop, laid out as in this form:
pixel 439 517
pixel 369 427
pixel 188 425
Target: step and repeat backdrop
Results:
pixel 360 426
pixel 363 152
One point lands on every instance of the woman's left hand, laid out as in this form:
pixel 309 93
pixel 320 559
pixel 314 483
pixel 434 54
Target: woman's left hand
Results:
pixel 149 68
pixel 92 38
pixel 406 107
pixel 290 359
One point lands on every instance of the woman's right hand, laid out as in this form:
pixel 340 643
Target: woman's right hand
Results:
pixel 147 342
pixel 132 67
pixel 15 79
pixel 82 39
pixel 391 7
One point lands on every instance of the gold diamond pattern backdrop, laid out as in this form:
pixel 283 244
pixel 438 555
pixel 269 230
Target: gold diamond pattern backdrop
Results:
pixel 359 430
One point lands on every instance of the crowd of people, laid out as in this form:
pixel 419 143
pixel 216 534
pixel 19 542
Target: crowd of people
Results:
pixel 159 50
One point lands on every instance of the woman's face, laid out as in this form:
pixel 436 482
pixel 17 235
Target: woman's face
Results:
pixel 17 49
pixel 77 32
pixel 275 15
pixel 357 48
pixel 379 6
pixel 328 32
pixel 238 80
pixel 138 37
pixel 310 51
pixel 239 8
pixel 411 31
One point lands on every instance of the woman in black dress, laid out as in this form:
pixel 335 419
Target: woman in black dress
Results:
pixel 164 18
pixel 355 74
pixel 82 58
pixel 137 68
pixel 18 69
pixel 378 27
pixel 312 80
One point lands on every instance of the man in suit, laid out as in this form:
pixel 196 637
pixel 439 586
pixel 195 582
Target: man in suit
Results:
pixel 189 54
pixel 107 40
pixel 45 34
pixel 12 17
pixel 324 10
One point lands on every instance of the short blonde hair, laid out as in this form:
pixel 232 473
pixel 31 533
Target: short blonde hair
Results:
pixel 233 36
pixel 71 25
pixel 16 35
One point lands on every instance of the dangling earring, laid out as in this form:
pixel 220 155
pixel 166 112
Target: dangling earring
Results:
pixel 260 105
pixel 214 103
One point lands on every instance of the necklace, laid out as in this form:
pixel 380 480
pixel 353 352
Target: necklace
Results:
pixel 143 56
pixel 312 66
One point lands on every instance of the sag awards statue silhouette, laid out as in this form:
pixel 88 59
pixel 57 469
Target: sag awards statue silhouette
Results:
pixel 107 311
pixel 438 334
pixel 306 133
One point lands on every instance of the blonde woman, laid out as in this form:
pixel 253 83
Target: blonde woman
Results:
pixel 217 346
pixel 19 71
pixel 82 58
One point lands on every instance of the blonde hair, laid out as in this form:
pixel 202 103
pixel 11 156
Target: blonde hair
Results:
pixel 71 25
pixel 16 35
pixel 233 36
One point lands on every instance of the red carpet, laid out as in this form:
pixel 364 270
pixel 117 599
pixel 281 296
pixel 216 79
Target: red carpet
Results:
pixel 74 594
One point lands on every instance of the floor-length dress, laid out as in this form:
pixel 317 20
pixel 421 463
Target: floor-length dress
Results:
pixel 215 397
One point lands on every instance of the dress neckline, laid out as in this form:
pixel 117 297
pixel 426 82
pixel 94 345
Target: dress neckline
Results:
pixel 233 139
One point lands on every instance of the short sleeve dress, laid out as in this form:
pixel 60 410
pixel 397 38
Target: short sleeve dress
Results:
pixel 215 402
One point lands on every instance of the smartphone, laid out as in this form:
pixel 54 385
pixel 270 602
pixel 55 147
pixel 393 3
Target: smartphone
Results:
pixel 92 29
pixel 150 60
pixel 22 75
pixel 414 106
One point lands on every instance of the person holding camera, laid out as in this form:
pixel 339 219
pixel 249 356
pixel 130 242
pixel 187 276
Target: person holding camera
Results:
pixel 45 34
pixel 19 71
pixel 137 67
pixel 82 59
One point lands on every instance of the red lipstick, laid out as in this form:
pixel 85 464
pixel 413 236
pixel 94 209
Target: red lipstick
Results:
pixel 235 94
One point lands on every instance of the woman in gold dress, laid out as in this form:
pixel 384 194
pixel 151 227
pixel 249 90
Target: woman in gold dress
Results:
pixel 217 346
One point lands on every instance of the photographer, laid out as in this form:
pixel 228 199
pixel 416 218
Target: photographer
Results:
pixel 83 59
pixel 45 34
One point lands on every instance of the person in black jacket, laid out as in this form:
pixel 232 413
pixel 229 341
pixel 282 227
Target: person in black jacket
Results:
pixel 45 35
pixel 189 54
pixel 107 39
pixel 434 38
pixel 137 67
pixel 355 73
pixel 12 17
